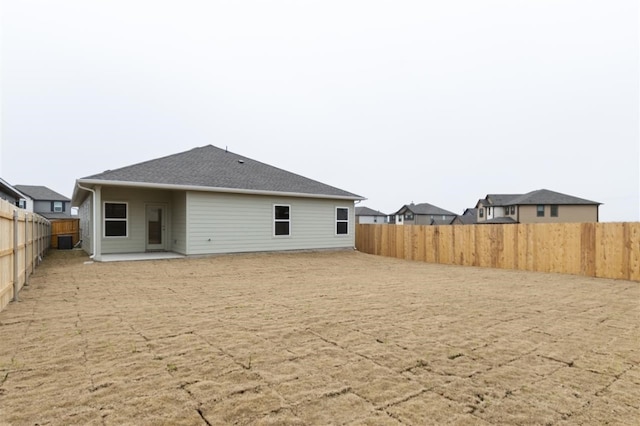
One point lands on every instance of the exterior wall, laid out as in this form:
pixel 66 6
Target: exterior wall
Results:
pixel 490 212
pixel 179 222
pixel 566 213
pixel 7 197
pixel 227 223
pixel 507 212
pixel 42 206
pixel 370 219
pixel 29 204
pixel 136 199
pixel 85 214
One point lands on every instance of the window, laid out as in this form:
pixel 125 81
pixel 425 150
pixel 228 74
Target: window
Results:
pixel 554 210
pixel 281 220
pixel 540 210
pixel 342 221
pixel 513 209
pixel 115 219
pixel 57 206
pixel 481 212
pixel 408 216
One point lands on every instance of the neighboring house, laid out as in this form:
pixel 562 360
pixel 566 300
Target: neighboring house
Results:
pixel 540 206
pixel 208 200
pixel 468 217
pixel 367 215
pixel 13 195
pixel 448 220
pixel 422 214
pixel 46 202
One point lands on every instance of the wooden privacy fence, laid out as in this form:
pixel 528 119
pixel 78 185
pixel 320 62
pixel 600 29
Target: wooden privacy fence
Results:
pixel 605 250
pixel 65 227
pixel 24 238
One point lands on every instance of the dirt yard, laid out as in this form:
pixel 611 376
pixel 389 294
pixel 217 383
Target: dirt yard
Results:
pixel 316 338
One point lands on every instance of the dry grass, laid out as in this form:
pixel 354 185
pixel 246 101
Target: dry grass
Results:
pixel 316 338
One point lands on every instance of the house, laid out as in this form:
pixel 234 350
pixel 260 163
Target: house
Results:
pixel 540 206
pixel 468 217
pixel 12 194
pixel 422 214
pixel 46 202
pixel 367 215
pixel 209 200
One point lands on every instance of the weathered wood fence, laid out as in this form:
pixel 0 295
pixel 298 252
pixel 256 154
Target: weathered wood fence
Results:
pixel 24 239
pixel 605 250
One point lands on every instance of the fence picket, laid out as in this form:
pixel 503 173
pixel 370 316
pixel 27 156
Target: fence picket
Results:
pixel 604 250
pixel 23 241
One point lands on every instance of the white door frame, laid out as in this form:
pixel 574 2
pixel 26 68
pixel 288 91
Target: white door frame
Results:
pixel 163 226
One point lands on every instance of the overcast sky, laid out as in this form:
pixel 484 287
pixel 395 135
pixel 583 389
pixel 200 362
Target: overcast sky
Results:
pixel 397 101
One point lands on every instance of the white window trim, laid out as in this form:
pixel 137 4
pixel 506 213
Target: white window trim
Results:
pixel 273 212
pixel 104 220
pixel 335 225
pixel 61 207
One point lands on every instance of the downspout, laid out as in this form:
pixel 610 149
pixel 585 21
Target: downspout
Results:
pixel 94 224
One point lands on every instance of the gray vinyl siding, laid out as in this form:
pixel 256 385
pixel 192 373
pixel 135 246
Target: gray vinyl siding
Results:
pixel 8 197
pixel 85 214
pixel 45 206
pixel 136 199
pixel 179 223
pixel 227 223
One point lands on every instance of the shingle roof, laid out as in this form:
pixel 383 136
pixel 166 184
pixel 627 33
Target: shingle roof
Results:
pixel 441 221
pixel 466 219
pixel 53 216
pixel 39 193
pixel 540 196
pixel 498 220
pixel 212 167
pixel 366 211
pixel 544 196
pixel 425 209
pixel 469 217
pixel 500 199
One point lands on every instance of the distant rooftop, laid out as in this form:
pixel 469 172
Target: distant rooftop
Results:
pixel 41 193
pixel 425 209
pixel 539 196
pixel 366 211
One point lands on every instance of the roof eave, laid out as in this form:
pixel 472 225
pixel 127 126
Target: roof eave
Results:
pixel 77 198
pixel 15 192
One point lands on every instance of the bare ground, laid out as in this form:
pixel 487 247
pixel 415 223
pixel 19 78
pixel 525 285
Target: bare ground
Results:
pixel 316 338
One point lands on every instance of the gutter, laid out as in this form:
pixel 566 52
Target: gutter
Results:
pixel 214 189
pixel 95 224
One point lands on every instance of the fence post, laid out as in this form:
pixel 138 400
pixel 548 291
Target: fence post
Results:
pixel 33 244
pixel 26 249
pixel 16 274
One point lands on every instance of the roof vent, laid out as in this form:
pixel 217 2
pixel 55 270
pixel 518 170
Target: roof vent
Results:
pixel 241 161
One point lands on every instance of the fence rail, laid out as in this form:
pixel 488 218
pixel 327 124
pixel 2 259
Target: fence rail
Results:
pixel 24 239
pixel 605 250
